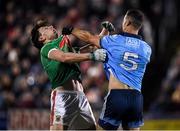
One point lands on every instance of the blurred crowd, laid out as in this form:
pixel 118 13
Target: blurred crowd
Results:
pixel 169 96
pixel 23 83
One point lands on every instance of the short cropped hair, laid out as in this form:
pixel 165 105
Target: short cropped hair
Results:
pixel 35 33
pixel 136 18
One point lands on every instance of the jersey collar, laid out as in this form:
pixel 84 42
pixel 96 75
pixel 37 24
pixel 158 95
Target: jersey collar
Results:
pixel 131 35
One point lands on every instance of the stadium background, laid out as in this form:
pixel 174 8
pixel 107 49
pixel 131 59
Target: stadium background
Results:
pixel 25 89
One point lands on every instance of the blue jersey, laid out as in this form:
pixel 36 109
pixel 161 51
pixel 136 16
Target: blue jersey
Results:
pixel 127 57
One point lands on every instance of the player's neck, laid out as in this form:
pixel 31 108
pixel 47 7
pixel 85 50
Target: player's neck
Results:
pixel 131 31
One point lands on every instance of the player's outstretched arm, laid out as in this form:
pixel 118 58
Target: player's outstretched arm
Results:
pixel 98 55
pixel 88 37
pixel 107 28
pixel 83 35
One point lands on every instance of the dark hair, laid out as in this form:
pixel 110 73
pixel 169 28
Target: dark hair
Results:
pixel 136 17
pixel 35 33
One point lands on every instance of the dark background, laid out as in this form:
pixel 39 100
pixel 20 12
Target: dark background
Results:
pixel 23 84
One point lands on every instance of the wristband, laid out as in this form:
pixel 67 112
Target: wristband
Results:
pixel 92 57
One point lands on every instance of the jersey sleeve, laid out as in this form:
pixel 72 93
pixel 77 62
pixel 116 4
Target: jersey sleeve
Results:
pixel 104 42
pixel 107 41
pixel 46 48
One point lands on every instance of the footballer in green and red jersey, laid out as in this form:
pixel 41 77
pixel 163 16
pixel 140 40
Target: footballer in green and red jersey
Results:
pixel 70 108
pixel 58 72
pixel 64 110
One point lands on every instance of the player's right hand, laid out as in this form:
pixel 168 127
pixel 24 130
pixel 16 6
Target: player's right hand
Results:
pixel 77 86
pixel 108 26
pixel 99 55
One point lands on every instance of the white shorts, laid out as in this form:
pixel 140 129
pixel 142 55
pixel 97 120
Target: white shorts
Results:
pixel 72 109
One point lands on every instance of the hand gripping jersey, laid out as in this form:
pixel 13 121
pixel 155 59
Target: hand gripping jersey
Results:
pixel 128 56
pixel 58 72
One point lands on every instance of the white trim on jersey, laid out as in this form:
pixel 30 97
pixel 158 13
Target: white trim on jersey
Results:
pixel 51 50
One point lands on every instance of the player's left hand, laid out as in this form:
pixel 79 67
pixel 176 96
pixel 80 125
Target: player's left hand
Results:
pixel 99 55
pixel 108 25
pixel 67 30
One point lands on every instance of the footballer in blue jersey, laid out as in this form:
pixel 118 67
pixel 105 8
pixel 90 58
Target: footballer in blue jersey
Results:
pixel 127 57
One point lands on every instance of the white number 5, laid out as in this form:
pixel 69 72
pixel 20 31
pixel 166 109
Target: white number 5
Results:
pixel 125 58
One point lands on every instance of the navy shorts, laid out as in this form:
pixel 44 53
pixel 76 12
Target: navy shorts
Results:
pixel 122 107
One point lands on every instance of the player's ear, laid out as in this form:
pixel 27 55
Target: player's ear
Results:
pixel 42 38
pixel 128 23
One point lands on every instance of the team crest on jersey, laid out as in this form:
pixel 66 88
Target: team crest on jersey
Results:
pixel 132 42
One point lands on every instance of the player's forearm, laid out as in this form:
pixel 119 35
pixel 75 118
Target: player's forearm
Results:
pixel 103 32
pixel 58 55
pixel 86 37
pixel 74 57
pixel 87 48
pixel 82 34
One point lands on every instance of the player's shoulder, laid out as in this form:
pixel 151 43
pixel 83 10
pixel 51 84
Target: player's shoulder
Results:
pixel 112 37
pixel 146 45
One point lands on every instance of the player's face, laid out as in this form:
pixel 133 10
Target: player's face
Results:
pixel 48 32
